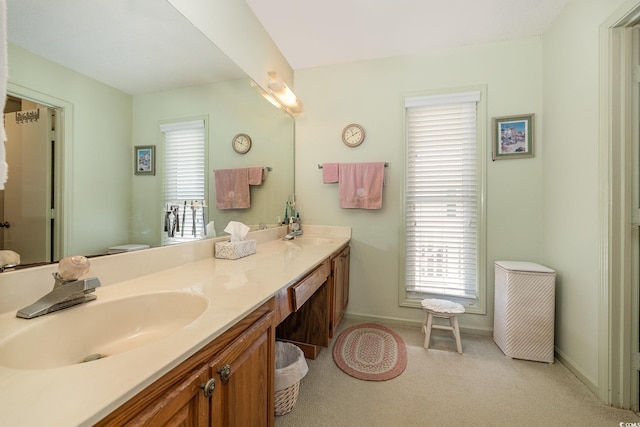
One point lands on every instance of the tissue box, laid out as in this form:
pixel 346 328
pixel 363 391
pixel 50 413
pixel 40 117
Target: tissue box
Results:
pixel 235 250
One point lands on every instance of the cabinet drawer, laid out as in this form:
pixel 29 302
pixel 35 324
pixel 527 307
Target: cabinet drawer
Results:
pixel 302 291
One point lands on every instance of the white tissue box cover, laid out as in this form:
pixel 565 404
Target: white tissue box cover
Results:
pixel 235 250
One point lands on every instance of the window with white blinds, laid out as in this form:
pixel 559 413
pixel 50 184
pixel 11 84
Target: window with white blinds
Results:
pixel 442 200
pixel 184 178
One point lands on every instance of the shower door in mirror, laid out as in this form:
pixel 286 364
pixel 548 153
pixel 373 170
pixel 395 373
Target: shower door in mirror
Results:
pixel 28 209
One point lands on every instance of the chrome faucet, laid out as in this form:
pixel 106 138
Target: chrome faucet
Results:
pixel 294 230
pixel 66 292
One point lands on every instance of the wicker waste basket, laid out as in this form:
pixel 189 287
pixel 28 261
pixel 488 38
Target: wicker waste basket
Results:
pixel 524 310
pixel 291 367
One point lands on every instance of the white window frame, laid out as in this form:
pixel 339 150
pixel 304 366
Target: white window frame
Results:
pixel 477 306
pixel 187 236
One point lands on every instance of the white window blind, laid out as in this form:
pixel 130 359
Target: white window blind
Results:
pixel 184 176
pixel 441 196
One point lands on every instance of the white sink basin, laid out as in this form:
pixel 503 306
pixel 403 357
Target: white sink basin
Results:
pixel 95 330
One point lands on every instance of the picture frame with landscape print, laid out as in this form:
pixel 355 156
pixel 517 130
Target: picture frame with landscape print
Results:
pixel 145 159
pixel 512 136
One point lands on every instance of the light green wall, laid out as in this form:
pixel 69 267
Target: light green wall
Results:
pixel 543 209
pixel 571 225
pixel 370 93
pixel 101 149
pixel 230 108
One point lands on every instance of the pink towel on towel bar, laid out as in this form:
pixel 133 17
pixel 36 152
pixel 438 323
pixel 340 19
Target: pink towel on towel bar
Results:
pixel 255 175
pixel 232 188
pixel 360 185
pixel 330 173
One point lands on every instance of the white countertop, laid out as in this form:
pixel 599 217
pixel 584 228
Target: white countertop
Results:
pixel 82 394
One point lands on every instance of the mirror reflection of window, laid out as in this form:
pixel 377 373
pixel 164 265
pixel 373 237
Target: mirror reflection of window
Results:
pixel 185 152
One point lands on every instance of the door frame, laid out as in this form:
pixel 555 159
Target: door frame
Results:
pixel 63 197
pixel 618 266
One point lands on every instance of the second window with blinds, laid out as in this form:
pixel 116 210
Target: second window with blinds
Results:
pixel 444 225
pixel 184 177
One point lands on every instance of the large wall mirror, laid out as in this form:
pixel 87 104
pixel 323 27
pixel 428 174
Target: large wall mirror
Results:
pixel 101 78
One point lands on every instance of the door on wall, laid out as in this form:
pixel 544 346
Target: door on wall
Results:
pixel 28 199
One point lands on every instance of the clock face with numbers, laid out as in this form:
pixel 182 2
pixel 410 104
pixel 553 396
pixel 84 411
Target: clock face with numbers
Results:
pixel 353 135
pixel 241 143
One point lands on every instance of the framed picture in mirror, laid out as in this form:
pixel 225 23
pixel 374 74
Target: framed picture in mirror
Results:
pixel 145 159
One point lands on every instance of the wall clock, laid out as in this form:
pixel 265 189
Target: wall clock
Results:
pixel 353 135
pixel 241 143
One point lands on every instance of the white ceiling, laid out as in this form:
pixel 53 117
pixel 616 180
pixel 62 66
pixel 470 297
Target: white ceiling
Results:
pixel 136 46
pixel 146 45
pixel 312 33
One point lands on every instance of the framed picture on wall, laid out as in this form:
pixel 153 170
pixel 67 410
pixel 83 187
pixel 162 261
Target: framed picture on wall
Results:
pixel 145 159
pixel 512 136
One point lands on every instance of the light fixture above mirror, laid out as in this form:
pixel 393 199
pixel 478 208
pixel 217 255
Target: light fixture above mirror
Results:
pixel 283 95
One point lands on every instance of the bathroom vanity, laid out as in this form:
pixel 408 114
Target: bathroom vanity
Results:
pixel 215 370
pixel 228 382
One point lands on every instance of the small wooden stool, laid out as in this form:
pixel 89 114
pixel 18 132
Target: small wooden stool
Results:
pixel 445 309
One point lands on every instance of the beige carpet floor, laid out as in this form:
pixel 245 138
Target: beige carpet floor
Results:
pixel 440 387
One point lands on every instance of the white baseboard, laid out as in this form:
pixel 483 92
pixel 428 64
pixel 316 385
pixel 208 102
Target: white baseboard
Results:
pixel 413 323
pixel 575 369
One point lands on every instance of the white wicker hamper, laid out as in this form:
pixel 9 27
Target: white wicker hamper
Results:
pixel 523 323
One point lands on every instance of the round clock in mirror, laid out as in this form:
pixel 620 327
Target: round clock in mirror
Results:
pixel 241 143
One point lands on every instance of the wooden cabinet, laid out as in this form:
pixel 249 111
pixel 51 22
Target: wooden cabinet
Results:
pixel 184 404
pixel 316 305
pixel 244 375
pixel 229 382
pixel 339 288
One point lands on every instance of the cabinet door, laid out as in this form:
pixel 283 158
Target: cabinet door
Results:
pixel 340 291
pixel 184 405
pixel 244 376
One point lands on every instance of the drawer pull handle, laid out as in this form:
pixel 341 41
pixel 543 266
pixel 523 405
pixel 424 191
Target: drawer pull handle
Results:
pixel 209 387
pixel 225 373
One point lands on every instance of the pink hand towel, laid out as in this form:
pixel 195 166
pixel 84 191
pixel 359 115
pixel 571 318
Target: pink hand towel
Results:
pixel 232 188
pixel 330 173
pixel 256 175
pixel 360 185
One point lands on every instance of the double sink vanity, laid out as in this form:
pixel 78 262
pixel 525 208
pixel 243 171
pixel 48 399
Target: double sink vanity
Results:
pixel 175 335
